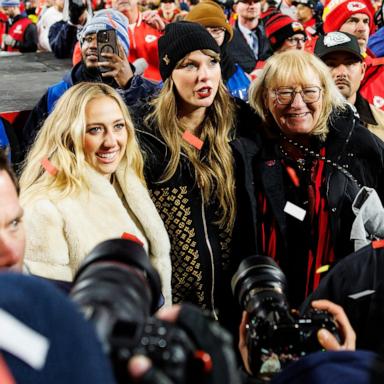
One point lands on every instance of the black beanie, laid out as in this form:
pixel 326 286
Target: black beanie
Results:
pixel 179 39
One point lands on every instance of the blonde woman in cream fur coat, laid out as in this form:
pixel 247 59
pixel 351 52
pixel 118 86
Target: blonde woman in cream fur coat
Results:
pixel 83 183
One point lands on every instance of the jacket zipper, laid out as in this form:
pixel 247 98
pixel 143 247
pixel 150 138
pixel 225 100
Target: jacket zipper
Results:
pixel 211 254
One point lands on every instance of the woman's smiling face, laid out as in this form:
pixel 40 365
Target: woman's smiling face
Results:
pixel 297 117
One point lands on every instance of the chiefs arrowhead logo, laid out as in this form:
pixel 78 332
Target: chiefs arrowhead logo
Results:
pixel 335 38
pixel 296 26
pixel 150 38
pixel 18 30
pixel 378 101
pixel 354 6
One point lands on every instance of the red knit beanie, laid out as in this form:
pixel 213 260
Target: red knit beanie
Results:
pixel 278 27
pixel 337 12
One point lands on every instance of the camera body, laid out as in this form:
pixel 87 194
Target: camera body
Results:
pixel 106 43
pixel 276 335
pixel 118 290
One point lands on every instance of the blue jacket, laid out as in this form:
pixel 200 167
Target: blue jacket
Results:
pixel 238 84
pixel 4 142
pixel 376 43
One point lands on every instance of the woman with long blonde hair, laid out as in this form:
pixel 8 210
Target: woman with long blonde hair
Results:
pixel 185 133
pixel 83 183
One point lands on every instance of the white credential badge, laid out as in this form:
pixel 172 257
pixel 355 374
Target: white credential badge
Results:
pixel 294 211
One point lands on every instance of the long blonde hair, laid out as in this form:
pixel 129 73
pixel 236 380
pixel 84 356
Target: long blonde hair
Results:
pixel 215 175
pixel 296 67
pixel 61 140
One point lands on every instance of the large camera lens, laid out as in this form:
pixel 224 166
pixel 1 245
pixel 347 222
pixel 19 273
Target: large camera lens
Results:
pixel 276 335
pixel 116 283
pixel 256 274
pixel 118 290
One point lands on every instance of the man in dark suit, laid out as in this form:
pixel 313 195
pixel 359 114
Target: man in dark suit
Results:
pixel 249 44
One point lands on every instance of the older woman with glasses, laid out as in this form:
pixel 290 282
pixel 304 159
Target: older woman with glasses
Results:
pixel 302 171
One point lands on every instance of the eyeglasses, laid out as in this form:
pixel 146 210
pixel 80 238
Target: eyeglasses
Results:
pixel 216 31
pixel 286 95
pixel 296 40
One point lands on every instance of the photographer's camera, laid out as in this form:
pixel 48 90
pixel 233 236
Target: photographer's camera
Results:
pixel 119 291
pixel 276 334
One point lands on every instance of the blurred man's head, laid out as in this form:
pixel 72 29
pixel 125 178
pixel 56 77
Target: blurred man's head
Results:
pixel 59 4
pixel 358 26
pixel 10 7
pixel 211 16
pixel 341 52
pixel 105 19
pixel 12 235
pixel 248 10
pixel 304 10
pixel 168 6
pixel 126 7
pixel 351 16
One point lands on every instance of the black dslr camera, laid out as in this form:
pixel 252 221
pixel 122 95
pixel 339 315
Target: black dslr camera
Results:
pixel 118 289
pixel 276 335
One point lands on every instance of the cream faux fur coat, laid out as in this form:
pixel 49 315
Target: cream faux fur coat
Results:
pixel 60 234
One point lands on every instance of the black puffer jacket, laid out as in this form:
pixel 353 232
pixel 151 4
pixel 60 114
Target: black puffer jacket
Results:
pixel 261 171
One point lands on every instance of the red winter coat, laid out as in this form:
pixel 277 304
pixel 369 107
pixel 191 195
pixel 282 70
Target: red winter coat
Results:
pixel 17 31
pixel 143 43
pixel 372 86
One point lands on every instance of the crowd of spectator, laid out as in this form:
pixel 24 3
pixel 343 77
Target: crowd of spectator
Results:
pixel 207 132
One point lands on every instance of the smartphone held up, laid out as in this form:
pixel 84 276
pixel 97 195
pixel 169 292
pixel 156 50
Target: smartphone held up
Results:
pixel 106 43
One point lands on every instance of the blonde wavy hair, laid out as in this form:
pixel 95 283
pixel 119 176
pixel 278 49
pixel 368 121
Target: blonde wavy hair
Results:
pixel 296 67
pixel 214 173
pixel 61 140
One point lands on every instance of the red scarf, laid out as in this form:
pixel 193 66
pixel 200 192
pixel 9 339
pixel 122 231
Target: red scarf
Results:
pixel 323 253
